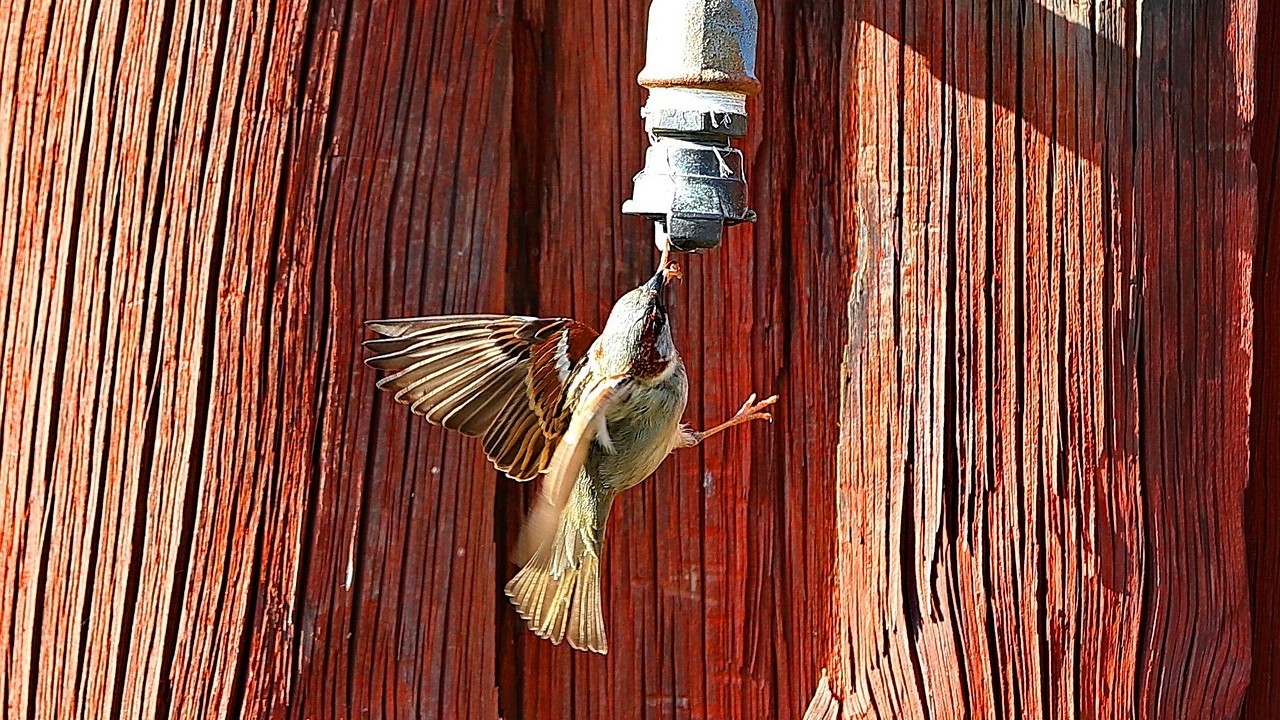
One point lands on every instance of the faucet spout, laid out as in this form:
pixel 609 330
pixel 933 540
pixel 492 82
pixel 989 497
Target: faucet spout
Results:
pixel 699 70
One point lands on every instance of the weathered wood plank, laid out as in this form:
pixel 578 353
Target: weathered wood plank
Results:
pixel 198 196
pixel 716 591
pixel 119 407
pixel 1033 484
pixel 1196 221
pixel 1262 499
pixel 398 601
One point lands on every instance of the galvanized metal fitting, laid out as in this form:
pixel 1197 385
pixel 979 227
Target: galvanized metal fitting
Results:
pixel 699 72
pixel 706 44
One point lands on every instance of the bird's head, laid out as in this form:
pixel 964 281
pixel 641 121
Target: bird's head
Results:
pixel 639 330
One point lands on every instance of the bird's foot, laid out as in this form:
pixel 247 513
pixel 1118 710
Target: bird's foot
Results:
pixel 750 410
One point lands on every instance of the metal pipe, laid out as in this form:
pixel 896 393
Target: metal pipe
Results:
pixel 699 70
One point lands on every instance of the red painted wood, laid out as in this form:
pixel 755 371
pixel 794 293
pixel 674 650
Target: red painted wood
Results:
pixel 1262 499
pixel 1001 280
pixel 1046 439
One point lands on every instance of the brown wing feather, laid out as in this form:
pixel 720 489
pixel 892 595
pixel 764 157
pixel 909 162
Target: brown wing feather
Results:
pixel 499 377
pixel 570 454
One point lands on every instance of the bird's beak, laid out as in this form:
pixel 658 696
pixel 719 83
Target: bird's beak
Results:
pixel 657 282
pixel 656 285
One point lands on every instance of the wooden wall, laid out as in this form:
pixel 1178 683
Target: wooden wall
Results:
pixel 1262 499
pixel 1015 279
pixel 1046 445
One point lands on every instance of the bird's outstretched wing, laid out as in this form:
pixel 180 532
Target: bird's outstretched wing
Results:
pixel 499 377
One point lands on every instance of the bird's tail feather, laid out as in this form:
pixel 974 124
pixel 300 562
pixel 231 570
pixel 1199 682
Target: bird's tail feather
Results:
pixel 558 591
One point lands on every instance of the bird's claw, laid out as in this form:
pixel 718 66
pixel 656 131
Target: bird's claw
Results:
pixel 752 410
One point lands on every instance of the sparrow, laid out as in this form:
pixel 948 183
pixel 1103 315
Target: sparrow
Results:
pixel 595 414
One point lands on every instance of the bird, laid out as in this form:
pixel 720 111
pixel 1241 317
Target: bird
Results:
pixel 594 414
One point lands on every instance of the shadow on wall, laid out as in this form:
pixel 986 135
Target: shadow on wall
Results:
pixel 1065 111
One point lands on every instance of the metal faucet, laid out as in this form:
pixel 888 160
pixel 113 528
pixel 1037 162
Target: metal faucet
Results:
pixel 699 70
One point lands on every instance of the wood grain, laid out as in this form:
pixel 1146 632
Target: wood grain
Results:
pixel 1045 440
pixel 1001 279
pixel 1262 499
